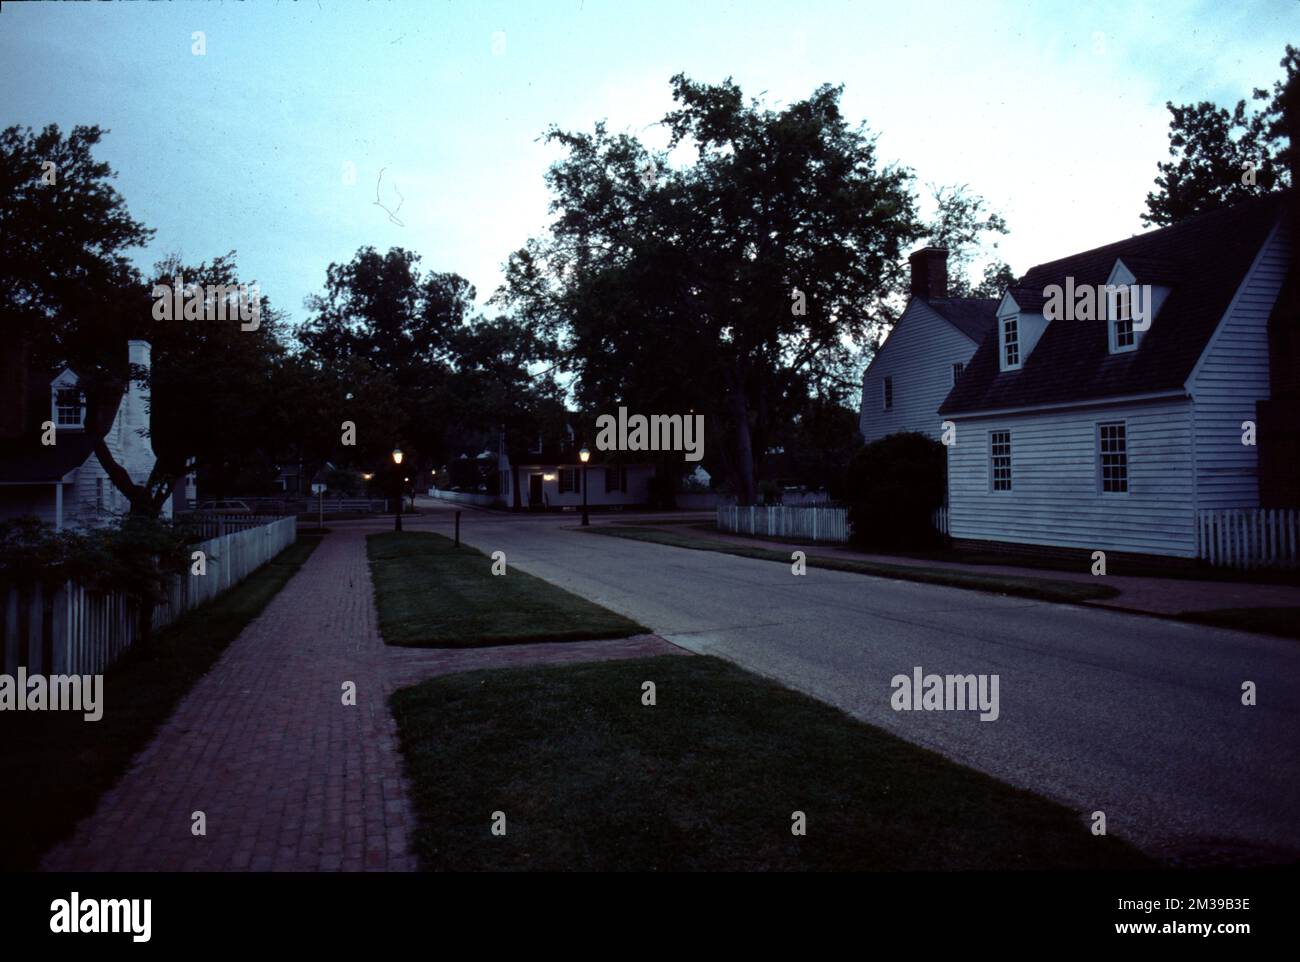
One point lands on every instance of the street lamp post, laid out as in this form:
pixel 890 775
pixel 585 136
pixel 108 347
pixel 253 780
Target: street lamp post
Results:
pixel 584 455
pixel 397 518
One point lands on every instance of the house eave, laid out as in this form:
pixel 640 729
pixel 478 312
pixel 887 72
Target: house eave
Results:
pixel 1175 393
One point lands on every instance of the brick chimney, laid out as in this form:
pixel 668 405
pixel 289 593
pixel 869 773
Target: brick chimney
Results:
pixel 13 387
pixel 929 273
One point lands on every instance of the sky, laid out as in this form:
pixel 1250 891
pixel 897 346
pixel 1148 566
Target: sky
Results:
pixel 1052 111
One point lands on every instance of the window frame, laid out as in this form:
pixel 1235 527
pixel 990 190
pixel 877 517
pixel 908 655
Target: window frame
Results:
pixel 887 393
pixel 60 407
pixel 1100 440
pixel 993 465
pixel 958 369
pixel 1012 321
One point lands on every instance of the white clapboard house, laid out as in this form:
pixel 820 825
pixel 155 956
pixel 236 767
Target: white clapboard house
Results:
pixel 1089 434
pixel 63 483
pixel 925 353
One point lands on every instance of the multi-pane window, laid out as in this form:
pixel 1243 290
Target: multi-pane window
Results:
pixel 1010 342
pixel 68 407
pixel 1123 320
pixel 568 480
pixel 888 393
pixel 1112 447
pixel 957 368
pixel 615 479
pixel 1000 459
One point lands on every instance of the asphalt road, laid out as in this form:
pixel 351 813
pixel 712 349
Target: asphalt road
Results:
pixel 1137 717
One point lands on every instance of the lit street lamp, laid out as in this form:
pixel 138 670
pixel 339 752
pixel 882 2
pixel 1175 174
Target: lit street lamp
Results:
pixel 584 455
pixel 397 518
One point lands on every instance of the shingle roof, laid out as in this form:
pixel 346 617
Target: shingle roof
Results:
pixel 973 316
pixel 27 461
pixel 1203 260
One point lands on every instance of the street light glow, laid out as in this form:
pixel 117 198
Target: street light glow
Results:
pixel 583 455
pixel 397 455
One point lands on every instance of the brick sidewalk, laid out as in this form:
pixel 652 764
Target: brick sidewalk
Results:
pixel 288 777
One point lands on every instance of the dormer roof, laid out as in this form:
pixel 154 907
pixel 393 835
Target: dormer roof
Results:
pixel 1203 262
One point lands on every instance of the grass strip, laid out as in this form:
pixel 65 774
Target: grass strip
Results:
pixel 431 594
pixel 590 779
pixel 1040 588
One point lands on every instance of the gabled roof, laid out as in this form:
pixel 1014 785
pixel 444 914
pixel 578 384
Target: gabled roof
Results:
pixel 1203 261
pixel 973 316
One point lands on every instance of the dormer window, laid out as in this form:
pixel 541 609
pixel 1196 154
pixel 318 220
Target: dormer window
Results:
pixel 1010 342
pixel 1122 335
pixel 69 408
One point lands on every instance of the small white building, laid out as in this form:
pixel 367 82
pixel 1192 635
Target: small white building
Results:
pixel 1098 435
pixel 925 353
pixel 63 483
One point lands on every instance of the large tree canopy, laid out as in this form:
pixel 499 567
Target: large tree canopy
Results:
pixel 1215 151
pixel 730 286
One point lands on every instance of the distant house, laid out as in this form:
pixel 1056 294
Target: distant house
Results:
pixel 1099 435
pixel 924 355
pixel 547 475
pixel 63 483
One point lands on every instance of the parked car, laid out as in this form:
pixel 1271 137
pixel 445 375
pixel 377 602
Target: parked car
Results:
pixel 224 507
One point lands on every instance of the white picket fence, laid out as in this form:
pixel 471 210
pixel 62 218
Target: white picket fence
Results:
pixel 821 523
pixel 780 521
pixel 73 630
pixel 1249 537
pixel 465 497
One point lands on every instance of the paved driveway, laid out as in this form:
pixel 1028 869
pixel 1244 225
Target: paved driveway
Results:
pixel 1138 717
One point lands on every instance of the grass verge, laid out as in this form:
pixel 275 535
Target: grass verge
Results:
pixel 707 779
pixel 433 595
pixel 1041 588
pixel 57 765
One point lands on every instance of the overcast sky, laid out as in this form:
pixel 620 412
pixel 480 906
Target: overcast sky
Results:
pixel 1054 111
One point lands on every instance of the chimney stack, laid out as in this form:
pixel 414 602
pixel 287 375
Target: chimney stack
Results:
pixel 929 273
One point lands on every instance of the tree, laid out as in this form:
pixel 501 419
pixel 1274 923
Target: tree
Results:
pixel 1222 157
pixel 893 486
pixel 727 286
pixel 382 333
pixel 69 292
pixel 961 222
pixel 65 231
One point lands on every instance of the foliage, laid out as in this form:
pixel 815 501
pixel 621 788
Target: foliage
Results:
pixel 893 486
pixel 674 290
pixel 1212 146
pixel 135 555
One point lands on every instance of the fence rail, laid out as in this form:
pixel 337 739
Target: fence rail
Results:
pixel 71 629
pixel 466 497
pixel 779 521
pixel 304 504
pixel 1249 537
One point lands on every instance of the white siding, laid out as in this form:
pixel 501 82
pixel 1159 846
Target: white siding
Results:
pixel 918 354
pixel 1231 376
pixel 638 486
pixel 1056 498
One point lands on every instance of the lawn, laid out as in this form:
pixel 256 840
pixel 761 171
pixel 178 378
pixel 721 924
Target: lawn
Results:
pixel 434 595
pixel 57 765
pixel 1041 588
pixel 590 779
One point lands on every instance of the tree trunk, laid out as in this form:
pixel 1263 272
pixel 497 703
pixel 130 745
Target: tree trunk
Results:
pixel 745 491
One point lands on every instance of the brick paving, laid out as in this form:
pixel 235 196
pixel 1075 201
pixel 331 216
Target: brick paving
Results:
pixel 288 777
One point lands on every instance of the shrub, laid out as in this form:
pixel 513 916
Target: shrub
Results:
pixel 893 487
